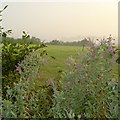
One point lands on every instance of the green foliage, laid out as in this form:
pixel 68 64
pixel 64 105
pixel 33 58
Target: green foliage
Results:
pixel 13 53
pixel 25 36
pixel 27 99
pixel 118 59
pixel 90 90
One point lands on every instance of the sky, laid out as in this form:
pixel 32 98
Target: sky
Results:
pixel 66 20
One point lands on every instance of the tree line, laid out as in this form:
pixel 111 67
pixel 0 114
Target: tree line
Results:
pixel 84 42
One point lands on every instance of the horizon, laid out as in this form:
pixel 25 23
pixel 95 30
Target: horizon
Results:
pixel 65 21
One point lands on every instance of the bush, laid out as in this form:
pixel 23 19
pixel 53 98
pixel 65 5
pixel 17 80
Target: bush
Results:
pixel 26 99
pixel 12 54
pixel 90 90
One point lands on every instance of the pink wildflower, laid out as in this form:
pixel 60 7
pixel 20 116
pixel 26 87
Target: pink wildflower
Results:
pixel 112 51
pixel 110 62
pixel 50 82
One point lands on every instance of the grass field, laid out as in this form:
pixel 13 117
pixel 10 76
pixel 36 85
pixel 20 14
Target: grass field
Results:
pixel 55 61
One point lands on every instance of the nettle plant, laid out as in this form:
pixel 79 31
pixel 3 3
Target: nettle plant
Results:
pixel 90 90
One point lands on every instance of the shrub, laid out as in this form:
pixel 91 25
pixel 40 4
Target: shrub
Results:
pixel 12 54
pixel 26 99
pixel 89 91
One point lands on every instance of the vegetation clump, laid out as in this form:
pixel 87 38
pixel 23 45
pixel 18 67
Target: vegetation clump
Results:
pixel 88 89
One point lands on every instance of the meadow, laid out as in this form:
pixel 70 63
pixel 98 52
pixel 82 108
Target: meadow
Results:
pixel 56 61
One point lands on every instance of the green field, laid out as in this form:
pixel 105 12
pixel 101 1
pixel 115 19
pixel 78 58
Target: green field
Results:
pixel 55 60
pixel 56 64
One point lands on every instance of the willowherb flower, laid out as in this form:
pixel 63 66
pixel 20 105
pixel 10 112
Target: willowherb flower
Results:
pixel 50 82
pixel 70 61
pixel 18 68
pixel 103 53
pixel 79 66
pixel 110 62
pixel 112 52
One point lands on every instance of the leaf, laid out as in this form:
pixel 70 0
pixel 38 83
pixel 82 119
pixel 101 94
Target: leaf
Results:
pixel 28 36
pixel 15 116
pixel 4 34
pixel 60 71
pixel 5 7
pixel 53 57
pixel 43 45
pixel 9 30
pixel 44 51
pixel 24 32
pixel 1 27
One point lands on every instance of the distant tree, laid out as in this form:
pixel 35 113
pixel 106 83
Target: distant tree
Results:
pixel 35 40
pixel 86 42
pixel 55 42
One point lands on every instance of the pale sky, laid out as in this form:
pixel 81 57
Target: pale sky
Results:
pixel 62 20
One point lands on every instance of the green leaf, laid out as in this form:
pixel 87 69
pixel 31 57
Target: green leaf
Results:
pixel 9 31
pixel 24 32
pixel 5 7
pixel 4 34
